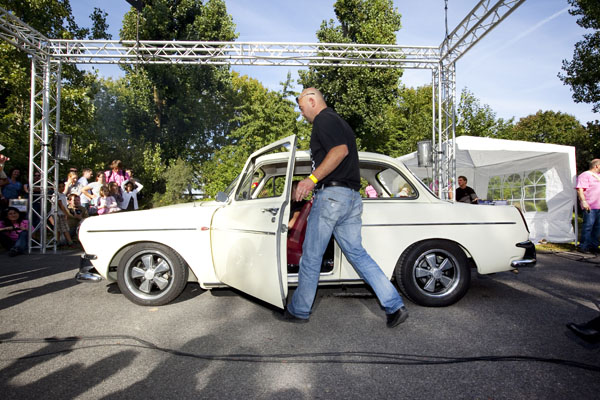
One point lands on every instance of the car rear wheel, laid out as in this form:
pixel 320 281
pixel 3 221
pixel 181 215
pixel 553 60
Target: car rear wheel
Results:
pixel 151 274
pixel 433 273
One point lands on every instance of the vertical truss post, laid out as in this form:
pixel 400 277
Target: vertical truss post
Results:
pixel 444 129
pixel 44 75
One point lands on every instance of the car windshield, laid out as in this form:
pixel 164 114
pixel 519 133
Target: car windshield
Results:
pixel 229 190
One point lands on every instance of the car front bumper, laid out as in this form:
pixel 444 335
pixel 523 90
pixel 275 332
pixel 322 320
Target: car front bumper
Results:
pixel 529 258
pixel 87 272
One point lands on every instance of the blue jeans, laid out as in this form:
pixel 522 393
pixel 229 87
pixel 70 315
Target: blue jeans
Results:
pixel 338 210
pixel 21 243
pixel 590 231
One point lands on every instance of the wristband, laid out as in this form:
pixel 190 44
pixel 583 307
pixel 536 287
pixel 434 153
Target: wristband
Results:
pixel 313 178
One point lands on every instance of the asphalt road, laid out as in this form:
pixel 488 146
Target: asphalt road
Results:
pixel 506 339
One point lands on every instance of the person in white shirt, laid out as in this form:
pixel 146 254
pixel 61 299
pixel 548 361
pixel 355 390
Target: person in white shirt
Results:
pixel 129 193
pixel 92 192
pixel 86 175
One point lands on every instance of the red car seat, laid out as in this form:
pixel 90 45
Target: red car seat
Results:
pixel 296 234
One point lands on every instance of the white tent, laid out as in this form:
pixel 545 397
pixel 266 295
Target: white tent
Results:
pixel 538 177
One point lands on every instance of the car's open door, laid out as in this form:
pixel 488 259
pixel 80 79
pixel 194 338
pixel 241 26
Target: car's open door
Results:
pixel 248 234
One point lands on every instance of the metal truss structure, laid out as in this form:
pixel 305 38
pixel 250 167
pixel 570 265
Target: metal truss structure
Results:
pixel 48 55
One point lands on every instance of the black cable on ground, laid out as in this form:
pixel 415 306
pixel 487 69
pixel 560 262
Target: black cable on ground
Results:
pixel 352 357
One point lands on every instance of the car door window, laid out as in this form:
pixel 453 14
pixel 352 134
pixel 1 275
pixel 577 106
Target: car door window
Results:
pixel 381 181
pixel 249 184
pixel 273 187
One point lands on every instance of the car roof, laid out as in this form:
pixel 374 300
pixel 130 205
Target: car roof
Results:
pixel 304 155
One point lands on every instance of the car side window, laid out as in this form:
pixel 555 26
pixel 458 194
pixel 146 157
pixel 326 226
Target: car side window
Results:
pixel 380 181
pixel 272 187
pixel 249 184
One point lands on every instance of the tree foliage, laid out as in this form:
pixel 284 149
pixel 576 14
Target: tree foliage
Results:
pixel 188 113
pixel 410 119
pixel 475 119
pixel 261 117
pixel 52 18
pixel 177 178
pixel 557 128
pixel 583 72
pixel 362 96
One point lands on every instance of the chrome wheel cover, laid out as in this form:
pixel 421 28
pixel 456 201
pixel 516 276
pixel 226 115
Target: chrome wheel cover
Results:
pixel 148 274
pixel 436 273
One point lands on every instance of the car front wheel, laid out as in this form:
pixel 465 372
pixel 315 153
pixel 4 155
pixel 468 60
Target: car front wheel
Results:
pixel 151 274
pixel 433 273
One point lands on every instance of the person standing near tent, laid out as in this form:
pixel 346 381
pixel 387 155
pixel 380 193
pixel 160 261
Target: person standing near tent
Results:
pixel 588 191
pixel 464 193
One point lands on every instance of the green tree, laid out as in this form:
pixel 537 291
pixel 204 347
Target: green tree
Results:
pixel 410 119
pixel 189 113
pixel 178 177
pixel 475 119
pixel 557 128
pixel 362 96
pixel 52 18
pixel 583 72
pixel 261 117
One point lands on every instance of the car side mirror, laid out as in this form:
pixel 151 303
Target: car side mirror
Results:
pixel 222 197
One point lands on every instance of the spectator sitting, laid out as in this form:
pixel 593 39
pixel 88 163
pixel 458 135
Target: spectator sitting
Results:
pixel 13 231
pixel 107 204
pixel 464 193
pixel 76 214
pixel 129 195
pixel 116 173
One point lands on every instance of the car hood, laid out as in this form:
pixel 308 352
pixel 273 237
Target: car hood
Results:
pixel 178 216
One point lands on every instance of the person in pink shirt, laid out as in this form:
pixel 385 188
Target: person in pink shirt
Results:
pixel 106 203
pixel 116 173
pixel 588 192
pixel 13 231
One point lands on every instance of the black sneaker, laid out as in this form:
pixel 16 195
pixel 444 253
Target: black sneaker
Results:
pixel 397 318
pixel 13 252
pixel 286 316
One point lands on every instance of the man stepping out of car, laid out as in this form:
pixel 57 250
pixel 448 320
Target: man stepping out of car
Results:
pixel 337 209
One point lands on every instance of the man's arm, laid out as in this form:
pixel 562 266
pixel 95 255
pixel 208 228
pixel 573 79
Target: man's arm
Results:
pixel 581 195
pixel 333 158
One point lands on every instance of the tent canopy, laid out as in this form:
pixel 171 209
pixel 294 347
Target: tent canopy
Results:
pixel 539 178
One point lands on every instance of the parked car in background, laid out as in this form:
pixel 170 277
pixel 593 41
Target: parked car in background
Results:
pixel 428 245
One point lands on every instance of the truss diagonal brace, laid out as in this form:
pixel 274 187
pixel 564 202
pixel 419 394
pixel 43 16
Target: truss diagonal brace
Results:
pixel 478 23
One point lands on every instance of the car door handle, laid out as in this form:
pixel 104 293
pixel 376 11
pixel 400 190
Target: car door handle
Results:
pixel 271 210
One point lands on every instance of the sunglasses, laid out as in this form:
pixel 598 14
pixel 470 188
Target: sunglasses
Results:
pixel 303 95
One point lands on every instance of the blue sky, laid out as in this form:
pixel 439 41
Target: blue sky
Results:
pixel 513 68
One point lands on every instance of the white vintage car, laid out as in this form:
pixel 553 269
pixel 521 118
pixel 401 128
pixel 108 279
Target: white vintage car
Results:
pixel 242 240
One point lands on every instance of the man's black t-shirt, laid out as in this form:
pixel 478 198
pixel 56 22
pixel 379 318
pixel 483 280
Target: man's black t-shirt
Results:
pixel 330 130
pixel 466 195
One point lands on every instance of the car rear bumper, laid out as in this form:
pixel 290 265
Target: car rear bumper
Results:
pixel 87 272
pixel 529 258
